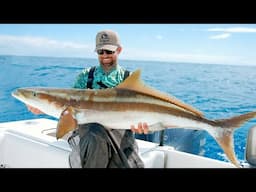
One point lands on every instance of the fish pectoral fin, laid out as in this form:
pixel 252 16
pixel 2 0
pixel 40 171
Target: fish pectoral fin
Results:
pixel 66 122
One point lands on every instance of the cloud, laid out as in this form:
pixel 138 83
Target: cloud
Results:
pixel 135 54
pixel 31 45
pixel 228 31
pixel 234 30
pixel 221 36
pixel 159 37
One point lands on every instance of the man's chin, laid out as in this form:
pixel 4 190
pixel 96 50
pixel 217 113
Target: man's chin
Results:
pixel 107 66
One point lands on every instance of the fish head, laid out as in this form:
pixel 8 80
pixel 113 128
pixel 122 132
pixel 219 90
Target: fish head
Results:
pixel 40 98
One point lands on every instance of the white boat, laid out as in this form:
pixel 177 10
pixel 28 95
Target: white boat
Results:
pixel 32 144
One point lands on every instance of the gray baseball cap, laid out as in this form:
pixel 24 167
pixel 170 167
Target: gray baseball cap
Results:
pixel 107 39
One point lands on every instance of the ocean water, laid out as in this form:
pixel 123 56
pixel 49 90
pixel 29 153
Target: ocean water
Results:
pixel 220 91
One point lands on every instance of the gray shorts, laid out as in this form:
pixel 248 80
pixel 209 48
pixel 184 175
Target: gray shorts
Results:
pixel 94 146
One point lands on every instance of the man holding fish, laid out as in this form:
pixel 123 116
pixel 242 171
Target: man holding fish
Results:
pixel 95 146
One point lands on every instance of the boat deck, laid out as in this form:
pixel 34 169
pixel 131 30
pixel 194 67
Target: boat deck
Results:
pixel 32 144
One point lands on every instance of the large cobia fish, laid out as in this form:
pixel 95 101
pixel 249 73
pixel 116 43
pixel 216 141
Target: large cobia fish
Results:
pixel 127 104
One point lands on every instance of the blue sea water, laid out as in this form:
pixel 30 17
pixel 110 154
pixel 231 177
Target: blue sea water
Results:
pixel 219 91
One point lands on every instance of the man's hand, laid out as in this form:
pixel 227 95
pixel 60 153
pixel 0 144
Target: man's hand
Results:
pixel 34 110
pixel 142 128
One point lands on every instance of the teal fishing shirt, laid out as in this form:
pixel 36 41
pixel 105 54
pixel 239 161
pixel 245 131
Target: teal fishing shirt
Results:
pixel 110 79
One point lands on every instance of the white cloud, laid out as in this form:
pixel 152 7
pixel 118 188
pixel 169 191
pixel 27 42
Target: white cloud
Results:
pixel 31 45
pixel 234 30
pixel 135 54
pixel 227 31
pixel 40 42
pixel 159 37
pixel 221 36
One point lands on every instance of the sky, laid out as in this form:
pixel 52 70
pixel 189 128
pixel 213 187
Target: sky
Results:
pixel 232 44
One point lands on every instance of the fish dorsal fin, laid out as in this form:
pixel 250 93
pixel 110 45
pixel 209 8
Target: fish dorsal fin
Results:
pixel 134 82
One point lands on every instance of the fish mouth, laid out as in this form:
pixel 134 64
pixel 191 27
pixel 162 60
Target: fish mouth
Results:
pixel 19 94
pixel 15 94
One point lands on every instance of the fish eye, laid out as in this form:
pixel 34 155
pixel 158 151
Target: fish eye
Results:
pixel 34 93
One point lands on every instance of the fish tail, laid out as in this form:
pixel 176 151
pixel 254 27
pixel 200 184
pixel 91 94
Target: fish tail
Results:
pixel 236 121
pixel 225 139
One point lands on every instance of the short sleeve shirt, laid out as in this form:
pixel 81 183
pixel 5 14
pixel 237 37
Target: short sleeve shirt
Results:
pixel 110 79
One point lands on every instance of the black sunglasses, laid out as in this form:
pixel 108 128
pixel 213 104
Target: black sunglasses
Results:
pixel 101 52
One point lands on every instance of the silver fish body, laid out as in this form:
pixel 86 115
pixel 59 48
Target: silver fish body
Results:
pixel 128 104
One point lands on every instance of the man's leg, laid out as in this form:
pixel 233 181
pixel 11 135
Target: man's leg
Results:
pixel 95 146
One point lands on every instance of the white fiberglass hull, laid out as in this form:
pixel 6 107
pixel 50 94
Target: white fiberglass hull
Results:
pixel 32 144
